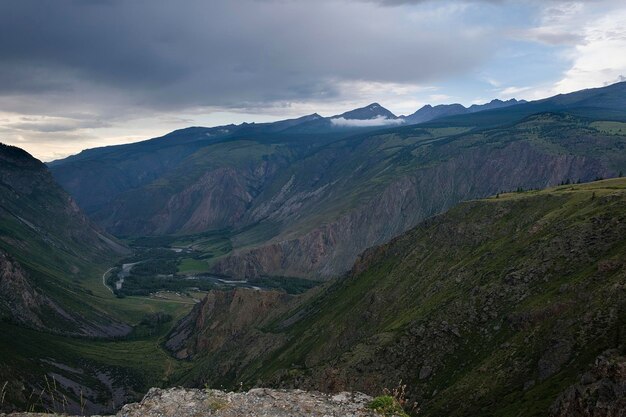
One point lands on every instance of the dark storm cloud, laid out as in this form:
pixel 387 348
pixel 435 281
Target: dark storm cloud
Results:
pixel 111 55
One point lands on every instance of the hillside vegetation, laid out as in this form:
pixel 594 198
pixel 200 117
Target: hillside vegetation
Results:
pixel 494 308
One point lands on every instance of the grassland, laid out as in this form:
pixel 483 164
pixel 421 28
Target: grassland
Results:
pixel 614 128
pixel 190 266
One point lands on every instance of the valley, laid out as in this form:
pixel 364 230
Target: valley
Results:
pixel 473 257
pixel 183 268
pixel 333 208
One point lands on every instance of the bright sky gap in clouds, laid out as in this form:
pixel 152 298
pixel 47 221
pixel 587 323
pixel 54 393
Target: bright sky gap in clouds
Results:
pixel 76 74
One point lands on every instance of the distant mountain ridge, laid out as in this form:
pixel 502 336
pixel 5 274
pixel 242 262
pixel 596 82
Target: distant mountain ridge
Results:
pixel 428 112
pixel 304 124
pixel 608 103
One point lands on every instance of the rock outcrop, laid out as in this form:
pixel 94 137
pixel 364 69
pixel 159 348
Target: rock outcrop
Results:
pixel 254 403
pixel 601 391
pixel 179 402
pixel 225 321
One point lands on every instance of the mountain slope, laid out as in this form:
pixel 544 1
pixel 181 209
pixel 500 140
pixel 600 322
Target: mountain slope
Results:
pixel 52 312
pixel 47 247
pixel 496 306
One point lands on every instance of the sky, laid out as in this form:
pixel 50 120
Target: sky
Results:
pixel 77 74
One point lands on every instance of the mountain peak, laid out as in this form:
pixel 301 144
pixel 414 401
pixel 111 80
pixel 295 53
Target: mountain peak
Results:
pixel 371 111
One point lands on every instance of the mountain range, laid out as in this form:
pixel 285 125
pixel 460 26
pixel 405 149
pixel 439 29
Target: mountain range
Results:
pixel 429 112
pixel 303 204
pixel 475 255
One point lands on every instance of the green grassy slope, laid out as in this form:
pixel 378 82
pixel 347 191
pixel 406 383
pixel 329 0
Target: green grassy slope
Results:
pixel 490 309
pixel 79 375
pixel 62 332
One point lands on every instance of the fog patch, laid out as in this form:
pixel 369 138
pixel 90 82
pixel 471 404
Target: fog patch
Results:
pixel 377 121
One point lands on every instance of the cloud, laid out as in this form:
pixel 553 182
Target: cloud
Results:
pixel 550 36
pixel 166 56
pixel 600 57
pixel 592 40
pixel 512 92
pixel 440 98
pixel 46 124
pixel 619 79
pixel 413 2
pixel 132 61
pixel 377 121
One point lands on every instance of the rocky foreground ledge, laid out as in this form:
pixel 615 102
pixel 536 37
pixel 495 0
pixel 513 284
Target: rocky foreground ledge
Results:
pixel 260 402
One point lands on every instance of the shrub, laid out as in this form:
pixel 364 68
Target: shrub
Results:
pixel 387 406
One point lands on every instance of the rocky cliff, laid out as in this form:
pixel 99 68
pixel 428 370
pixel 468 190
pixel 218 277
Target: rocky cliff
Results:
pixel 331 248
pixel 226 321
pixel 601 391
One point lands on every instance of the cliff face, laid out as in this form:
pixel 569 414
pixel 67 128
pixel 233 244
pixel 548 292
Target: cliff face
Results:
pixel 330 249
pixel 226 321
pixel 212 199
pixel 21 302
pixel 507 298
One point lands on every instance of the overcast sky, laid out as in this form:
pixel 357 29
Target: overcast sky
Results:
pixel 77 74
